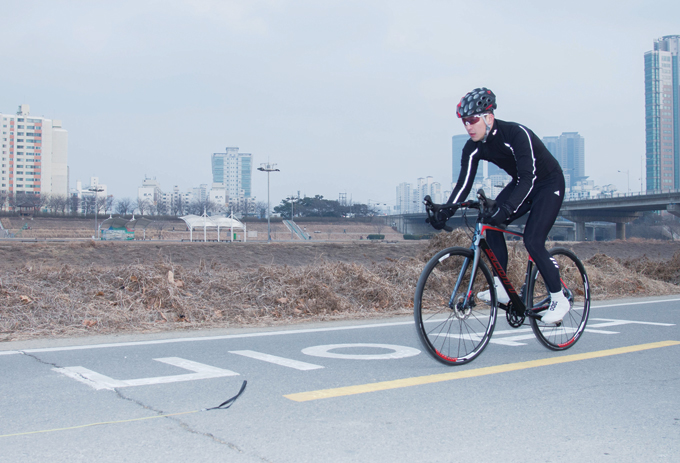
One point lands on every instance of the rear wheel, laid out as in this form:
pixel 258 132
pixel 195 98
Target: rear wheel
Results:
pixel 575 287
pixel 454 331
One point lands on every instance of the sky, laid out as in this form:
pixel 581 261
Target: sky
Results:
pixel 345 96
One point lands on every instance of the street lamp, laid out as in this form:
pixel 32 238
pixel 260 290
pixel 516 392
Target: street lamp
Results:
pixel 292 200
pixel 627 172
pixel 96 191
pixel 266 167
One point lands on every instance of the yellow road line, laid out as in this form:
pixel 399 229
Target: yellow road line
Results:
pixel 419 380
pixel 96 424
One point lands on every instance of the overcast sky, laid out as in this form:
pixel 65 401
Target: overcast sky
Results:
pixel 344 96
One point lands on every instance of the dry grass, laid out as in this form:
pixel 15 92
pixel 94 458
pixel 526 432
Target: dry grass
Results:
pixel 39 301
pixel 69 301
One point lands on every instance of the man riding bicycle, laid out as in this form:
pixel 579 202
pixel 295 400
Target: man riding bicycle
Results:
pixel 537 186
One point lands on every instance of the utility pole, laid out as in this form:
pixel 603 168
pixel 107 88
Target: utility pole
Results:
pixel 266 167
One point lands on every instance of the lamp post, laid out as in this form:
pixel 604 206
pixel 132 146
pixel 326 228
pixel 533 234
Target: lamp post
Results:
pixel 627 172
pixel 96 191
pixel 266 167
pixel 642 171
pixel 292 200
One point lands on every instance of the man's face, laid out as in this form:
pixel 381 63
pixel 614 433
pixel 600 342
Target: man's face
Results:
pixel 475 125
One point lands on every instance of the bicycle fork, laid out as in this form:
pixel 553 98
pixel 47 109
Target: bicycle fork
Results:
pixel 462 306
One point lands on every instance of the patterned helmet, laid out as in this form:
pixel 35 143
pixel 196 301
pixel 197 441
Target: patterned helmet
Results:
pixel 480 100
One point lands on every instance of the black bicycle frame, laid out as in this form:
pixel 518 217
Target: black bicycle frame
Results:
pixel 479 243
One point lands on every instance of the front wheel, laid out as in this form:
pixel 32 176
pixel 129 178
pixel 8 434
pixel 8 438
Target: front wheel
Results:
pixel 453 328
pixel 575 287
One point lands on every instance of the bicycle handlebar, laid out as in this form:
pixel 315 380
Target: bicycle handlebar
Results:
pixel 482 205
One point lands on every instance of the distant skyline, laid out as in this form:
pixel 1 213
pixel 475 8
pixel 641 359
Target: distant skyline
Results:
pixel 344 96
pixel 662 114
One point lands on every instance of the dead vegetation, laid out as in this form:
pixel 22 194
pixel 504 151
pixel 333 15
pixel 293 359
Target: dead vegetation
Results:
pixel 38 300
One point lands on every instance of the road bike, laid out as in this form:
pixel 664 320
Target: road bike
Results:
pixel 455 325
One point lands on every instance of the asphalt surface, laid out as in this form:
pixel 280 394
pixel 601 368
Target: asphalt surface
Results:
pixel 614 396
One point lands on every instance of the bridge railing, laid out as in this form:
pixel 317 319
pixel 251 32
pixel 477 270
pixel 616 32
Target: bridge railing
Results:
pixel 608 195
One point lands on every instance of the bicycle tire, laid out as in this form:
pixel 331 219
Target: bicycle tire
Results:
pixel 576 288
pixel 453 336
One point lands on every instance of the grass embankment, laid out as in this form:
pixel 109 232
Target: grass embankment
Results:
pixel 67 300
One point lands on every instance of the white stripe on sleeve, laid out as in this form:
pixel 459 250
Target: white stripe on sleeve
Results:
pixel 467 176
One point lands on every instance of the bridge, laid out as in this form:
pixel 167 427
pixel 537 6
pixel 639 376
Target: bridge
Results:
pixel 618 209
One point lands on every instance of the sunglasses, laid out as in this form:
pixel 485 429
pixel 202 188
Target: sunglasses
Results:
pixel 471 120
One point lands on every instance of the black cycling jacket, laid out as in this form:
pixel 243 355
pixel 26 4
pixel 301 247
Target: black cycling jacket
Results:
pixel 515 149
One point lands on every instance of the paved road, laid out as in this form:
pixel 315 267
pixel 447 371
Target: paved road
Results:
pixel 615 396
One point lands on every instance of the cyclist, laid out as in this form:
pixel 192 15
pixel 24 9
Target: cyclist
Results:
pixel 537 186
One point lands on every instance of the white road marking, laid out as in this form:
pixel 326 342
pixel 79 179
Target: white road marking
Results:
pixel 99 381
pixel 323 351
pixel 277 360
pixel 274 333
pixel 513 340
pixel 612 322
pixel 622 304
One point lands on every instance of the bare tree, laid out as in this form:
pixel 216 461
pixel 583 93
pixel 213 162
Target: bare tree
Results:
pixel 49 202
pixel 152 209
pixel 88 204
pixel 261 209
pixel 161 208
pixel 100 204
pixel 142 205
pixel 57 203
pixel 378 223
pixel 108 205
pixel 60 203
pixel 74 204
pixel 178 207
pixel 198 207
pixel 3 199
pixel 11 202
pixel 123 206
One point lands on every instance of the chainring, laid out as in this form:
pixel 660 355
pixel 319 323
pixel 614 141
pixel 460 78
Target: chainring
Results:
pixel 513 318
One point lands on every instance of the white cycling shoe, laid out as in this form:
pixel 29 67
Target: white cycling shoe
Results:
pixel 559 307
pixel 501 294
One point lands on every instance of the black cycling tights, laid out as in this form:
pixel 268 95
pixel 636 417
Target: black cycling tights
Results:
pixel 544 204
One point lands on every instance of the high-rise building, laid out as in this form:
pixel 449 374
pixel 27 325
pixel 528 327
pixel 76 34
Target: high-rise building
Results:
pixel 571 156
pixel 569 150
pixel 150 191
pixel 410 198
pixel 662 118
pixel 427 187
pixel 551 144
pixel 200 193
pixel 234 170
pixel 34 154
pixel 404 198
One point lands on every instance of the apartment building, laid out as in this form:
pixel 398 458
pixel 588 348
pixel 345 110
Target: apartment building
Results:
pixel 34 154
pixel 234 170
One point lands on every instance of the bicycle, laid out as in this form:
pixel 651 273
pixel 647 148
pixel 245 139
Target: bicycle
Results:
pixel 455 326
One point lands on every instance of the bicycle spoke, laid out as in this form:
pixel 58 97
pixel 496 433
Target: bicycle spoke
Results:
pixel 465 326
pixel 576 287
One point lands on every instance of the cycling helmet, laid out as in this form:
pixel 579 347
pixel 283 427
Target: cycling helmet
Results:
pixel 480 100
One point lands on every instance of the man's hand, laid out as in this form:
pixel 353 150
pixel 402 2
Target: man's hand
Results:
pixel 439 217
pixel 498 216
